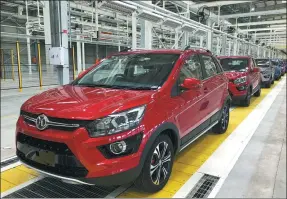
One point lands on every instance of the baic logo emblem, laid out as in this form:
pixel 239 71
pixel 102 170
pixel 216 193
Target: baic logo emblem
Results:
pixel 42 122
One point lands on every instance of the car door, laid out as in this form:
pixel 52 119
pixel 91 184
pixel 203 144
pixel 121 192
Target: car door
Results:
pixel 189 115
pixel 214 84
pixel 255 76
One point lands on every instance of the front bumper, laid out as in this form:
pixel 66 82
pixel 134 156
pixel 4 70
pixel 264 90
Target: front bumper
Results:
pixel 74 156
pixel 237 92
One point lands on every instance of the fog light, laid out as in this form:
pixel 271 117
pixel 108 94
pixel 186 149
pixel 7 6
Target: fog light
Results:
pixel 118 147
pixel 241 88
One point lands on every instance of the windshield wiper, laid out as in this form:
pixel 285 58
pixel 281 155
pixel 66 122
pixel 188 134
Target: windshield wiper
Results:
pixel 143 88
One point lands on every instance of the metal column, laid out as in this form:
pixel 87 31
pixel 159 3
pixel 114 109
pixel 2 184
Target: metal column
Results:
pixel 79 55
pixel 134 31
pixel 209 36
pixel 235 44
pixel 146 34
pixel 59 35
pixel 47 32
pixel 83 56
pixel 28 39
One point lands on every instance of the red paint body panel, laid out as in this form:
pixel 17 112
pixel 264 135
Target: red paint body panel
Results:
pixel 186 111
pixel 253 78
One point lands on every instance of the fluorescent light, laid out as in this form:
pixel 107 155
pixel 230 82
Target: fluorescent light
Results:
pixel 149 16
pixel 252 9
pixel 171 23
pixel 118 6
pixel 259 17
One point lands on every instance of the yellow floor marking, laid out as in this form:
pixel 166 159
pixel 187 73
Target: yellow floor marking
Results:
pixel 16 176
pixel 5 185
pixel 191 158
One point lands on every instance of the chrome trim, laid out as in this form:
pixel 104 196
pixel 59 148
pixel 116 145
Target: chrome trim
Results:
pixel 57 176
pixel 50 123
pixel 29 118
pixel 198 136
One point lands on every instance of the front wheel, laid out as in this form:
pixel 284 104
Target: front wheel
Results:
pixel 157 167
pixel 246 101
pixel 258 92
pixel 222 124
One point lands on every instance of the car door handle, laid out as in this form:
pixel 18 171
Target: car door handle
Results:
pixel 205 90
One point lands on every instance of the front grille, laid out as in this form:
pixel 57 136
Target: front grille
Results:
pixel 64 162
pixel 80 123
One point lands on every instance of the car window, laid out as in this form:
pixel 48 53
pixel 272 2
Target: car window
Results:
pixel 209 66
pixel 218 66
pixel 191 68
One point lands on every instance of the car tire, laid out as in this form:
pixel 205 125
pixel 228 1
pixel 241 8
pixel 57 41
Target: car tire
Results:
pixel 258 92
pixel 223 122
pixel 272 81
pixel 268 85
pixel 153 178
pixel 246 101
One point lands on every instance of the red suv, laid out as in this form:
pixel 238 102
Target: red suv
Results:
pixel 124 119
pixel 244 77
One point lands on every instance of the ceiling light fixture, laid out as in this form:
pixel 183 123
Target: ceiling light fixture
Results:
pixel 259 17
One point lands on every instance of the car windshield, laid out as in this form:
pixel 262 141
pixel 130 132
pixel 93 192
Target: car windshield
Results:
pixel 264 63
pixel 234 64
pixel 133 71
pixel 275 63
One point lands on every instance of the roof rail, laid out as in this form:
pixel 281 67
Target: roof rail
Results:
pixel 197 48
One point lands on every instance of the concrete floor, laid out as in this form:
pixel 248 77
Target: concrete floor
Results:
pixel 260 172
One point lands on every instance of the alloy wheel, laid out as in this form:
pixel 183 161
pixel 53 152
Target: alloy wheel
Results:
pixel 160 163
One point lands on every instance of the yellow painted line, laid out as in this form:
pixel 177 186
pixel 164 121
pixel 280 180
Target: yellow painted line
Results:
pixel 16 176
pixel 191 159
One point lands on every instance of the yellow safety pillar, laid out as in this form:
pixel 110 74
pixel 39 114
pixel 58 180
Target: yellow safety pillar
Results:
pixel 40 65
pixel 12 62
pixel 19 66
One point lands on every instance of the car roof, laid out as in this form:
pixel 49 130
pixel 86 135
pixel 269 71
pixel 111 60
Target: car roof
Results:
pixel 235 57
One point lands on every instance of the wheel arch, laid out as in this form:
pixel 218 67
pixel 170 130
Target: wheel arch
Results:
pixel 167 128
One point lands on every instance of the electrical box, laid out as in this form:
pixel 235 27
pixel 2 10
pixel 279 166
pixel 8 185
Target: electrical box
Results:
pixel 57 55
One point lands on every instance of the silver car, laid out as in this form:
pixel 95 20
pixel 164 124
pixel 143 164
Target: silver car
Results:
pixel 267 71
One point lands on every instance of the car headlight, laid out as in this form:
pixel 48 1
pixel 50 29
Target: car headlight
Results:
pixel 116 123
pixel 240 80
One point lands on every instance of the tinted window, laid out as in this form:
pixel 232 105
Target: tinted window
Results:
pixel 209 66
pixel 262 63
pixel 231 64
pixel 191 68
pixel 132 71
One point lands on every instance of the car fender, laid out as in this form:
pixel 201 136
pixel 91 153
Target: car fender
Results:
pixel 163 127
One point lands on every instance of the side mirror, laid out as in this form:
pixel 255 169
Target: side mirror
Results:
pixel 256 69
pixel 191 83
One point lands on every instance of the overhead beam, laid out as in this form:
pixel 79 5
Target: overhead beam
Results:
pixel 250 14
pixel 268 33
pixel 261 29
pixel 281 21
pixel 216 3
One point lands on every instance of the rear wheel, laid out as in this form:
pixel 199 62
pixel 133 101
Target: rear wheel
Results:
pixel 222 124
pixel 157 167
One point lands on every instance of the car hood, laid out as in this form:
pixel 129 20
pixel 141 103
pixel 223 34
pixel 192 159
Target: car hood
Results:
pixel 85 103
pixel 232 75
pixel 264 69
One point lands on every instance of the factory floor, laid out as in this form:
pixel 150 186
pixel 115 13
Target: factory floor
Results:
pixel 249 160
